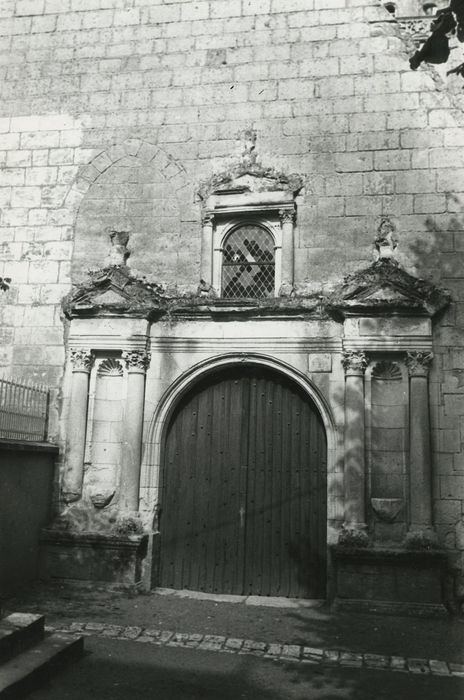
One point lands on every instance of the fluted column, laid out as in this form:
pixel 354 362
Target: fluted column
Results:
pixel 355 364
pixel 206 269
pixel 81 361
pixel 137 362
pixel 287 218
pixel 420 462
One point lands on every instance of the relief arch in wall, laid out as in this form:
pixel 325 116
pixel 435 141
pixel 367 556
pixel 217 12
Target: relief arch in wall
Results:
pixel 134 188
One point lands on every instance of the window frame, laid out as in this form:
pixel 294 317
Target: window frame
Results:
pixel 224 227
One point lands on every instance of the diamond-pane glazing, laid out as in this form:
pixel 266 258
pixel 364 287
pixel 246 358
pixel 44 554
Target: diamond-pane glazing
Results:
pixel 248 266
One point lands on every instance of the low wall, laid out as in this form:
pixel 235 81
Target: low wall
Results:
pixel 26 482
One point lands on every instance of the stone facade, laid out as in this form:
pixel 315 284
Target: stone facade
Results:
pixel 120 119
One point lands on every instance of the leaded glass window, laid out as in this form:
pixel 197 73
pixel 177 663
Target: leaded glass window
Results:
pixel 248 264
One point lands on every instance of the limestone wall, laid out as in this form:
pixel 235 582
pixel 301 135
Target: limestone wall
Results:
pixel 113 111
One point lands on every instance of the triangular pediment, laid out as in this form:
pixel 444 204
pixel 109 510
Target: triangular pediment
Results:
pixel 385 287
pixel 113 290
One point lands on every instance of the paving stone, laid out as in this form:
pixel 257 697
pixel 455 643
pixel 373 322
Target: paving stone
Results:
pixel 165 636
pixel 233 644
pixel 179 639
pixel 349 659
pixel 312 655
pixel 376 661
pixel 145 639
pixel 274 650
pixel 439 668
pixel 94 626
pixel 131 632
pixel 457 669
pixel 212 642
pixel 331 656
pixel 291 651
pixel 418 666
pixel 193 640
pixel 150 632
pixel 251 647
pixel 112 631
pixel 398 663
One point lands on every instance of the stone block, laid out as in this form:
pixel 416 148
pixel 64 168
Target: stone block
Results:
pixel 92 557
pixel 319 362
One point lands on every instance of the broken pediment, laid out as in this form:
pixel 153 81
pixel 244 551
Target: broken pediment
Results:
pixel 385 287
pixel 249 178
pixel 113 290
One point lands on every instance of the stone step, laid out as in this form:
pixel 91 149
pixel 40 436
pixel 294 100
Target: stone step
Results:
pixel 18 632
pixel 35 665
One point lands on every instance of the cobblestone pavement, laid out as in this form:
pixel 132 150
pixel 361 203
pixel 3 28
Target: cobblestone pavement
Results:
pixel 278 652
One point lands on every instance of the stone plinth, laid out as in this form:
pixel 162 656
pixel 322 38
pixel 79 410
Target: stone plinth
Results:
pixel 92 557
pixel 392 581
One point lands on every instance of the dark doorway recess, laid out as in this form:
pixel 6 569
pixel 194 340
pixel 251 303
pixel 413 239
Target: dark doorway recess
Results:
pixel 244 490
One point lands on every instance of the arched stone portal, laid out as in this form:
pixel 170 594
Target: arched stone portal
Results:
pixel 243 498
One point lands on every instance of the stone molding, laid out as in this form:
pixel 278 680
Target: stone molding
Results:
pixel 354 362
pixel 418 363
pixel 136 360
pixel 81 359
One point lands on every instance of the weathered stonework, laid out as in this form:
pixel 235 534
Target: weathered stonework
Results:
pixel 117 125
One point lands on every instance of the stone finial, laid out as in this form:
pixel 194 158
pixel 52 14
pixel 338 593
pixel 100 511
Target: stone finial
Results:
pixel 354 362
pixel 136 360
pixel 81 360
pixel 418 363
pixel 205 289
pixel 118 252
pixel 385 242
pixel 249 154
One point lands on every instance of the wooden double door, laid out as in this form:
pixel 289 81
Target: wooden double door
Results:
pixel 244 489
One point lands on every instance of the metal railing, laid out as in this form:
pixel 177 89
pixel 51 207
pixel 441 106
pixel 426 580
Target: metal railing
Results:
pixel 23 410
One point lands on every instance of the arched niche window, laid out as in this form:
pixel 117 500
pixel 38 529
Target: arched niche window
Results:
pixel 248 263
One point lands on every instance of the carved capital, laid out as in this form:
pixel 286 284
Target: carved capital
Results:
pixel 354 362
pixel 81 360
pixel 207 218
pixel 287 216
pixel 136 360
pixel 418 363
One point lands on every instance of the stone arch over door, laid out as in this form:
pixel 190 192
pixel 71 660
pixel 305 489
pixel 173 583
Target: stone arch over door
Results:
pixel 264 508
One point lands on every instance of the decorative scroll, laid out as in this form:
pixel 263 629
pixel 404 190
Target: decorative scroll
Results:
pixel 354 361
pixel 81 360
pixel 136 359
pixel 418 363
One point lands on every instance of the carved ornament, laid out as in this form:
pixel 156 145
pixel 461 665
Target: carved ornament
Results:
pixel 384 287
pixel 386 370
pixel 113 290
pixel 110 368
pixel 81 360
pixel 354 362
pixel 418 363
pixel 287 216
pixel 250 176
pixel 136 360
